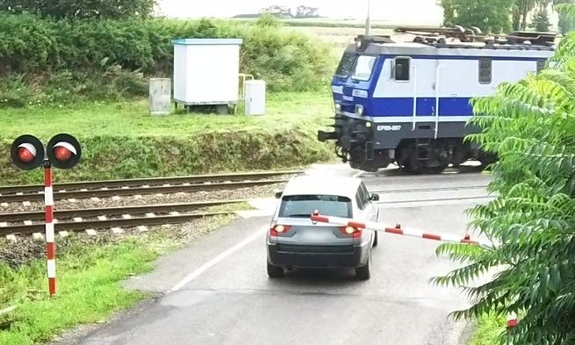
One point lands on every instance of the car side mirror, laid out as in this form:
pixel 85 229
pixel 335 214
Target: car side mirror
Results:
pixel 374 197
pixel 278 194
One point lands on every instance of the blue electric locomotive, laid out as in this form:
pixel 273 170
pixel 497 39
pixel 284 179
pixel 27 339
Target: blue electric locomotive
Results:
pixel 407 102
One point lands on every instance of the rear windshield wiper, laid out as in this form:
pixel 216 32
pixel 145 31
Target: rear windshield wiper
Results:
pixel 299 215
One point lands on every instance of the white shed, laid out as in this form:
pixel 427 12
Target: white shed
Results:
pixel 206 71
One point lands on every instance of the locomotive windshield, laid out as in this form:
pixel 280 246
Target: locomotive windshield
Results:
pixel 363 67
pixel 345 65
pixel 359 66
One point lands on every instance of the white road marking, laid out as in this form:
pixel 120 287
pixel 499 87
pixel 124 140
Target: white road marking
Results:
pixel 195 274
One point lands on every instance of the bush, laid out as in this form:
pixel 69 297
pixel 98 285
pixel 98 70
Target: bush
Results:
pixel 58 61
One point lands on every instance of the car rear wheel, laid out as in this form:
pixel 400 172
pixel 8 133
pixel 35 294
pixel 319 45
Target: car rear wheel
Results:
pixel 275 271
pixel 364 272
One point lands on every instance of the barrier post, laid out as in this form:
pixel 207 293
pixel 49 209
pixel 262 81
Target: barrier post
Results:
pixel 49 210
pixel 511 324
pixel 62 152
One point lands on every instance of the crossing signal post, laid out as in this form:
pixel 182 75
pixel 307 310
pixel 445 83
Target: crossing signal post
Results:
pixel 63 151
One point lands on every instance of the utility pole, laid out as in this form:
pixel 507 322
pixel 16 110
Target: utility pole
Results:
pixel 368 19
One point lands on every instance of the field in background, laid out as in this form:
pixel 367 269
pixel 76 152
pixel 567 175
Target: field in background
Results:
pixel 330 22
pixel 338 36
pixel 339 32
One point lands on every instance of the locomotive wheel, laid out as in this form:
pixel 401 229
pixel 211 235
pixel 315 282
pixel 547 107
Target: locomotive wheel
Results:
pixel 486 158
pixel 415 166
pixel 435 170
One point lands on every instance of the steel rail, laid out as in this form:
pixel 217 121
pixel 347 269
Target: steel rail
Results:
pixel 154 181
pixel 114 211
pixel 171 189
pixel 428 189
pixel 109 223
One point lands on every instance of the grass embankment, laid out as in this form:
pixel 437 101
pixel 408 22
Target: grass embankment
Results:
pixel 121 140
pixel 88 272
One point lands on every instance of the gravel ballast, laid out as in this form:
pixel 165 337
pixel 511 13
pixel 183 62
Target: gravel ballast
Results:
pixel 151 199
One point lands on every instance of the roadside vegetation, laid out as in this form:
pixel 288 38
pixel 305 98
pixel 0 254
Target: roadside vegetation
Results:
pixel 88 271
pixel 530 125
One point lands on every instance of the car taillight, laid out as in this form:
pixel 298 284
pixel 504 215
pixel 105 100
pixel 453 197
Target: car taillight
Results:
pixel 279 229
pixel 350 230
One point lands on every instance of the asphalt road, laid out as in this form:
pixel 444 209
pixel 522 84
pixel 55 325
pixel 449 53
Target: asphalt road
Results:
pixel 220 292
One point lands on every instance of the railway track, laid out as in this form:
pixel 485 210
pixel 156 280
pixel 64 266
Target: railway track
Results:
pixel 160 185
pixel 454 188
pixel 111 218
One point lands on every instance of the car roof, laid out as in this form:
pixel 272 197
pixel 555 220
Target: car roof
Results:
pixel 322 185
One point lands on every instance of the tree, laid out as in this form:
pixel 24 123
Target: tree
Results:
pixel 278 11
pixel 306 12
pixel 521 9
pixel 566 23
pixel 530 124
pixel 541 20
pixel 112 9
pixel 488 15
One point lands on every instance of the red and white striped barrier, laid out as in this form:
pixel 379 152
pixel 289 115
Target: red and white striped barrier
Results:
pixel 397 230
pixel 511 320
pixel 50 245
pixel 511 324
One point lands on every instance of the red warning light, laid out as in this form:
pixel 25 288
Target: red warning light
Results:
pixel 25 155
pixel 64 151
pixel 62 154
pixel 27 152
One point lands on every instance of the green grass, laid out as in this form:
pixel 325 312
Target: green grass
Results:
pixel 284 110
pixel 487 330
pixel 88 288
pixel 121 140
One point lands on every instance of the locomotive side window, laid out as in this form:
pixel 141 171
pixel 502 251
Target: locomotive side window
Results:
pixel 540 65
pixel 345 65
pixel 401 69
pixel 485 71
pixel 363 67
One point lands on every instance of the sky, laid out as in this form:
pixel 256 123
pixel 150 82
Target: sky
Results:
pixel 428 13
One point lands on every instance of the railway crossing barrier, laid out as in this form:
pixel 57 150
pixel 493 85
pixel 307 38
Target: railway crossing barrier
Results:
pixel 511 324
pixel 397 230
pixel 63 151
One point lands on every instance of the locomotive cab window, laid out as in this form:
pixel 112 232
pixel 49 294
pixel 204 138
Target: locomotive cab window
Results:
pixel 401 68
pixel 485 71
pixel 363 67
pixel 345 65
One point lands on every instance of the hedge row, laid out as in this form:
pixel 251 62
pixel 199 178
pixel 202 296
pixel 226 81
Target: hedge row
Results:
pixel 46 61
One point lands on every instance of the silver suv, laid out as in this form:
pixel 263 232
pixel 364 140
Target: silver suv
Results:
pixel 295 241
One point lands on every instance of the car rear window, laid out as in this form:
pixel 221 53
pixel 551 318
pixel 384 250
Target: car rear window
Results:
pixel 304 205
